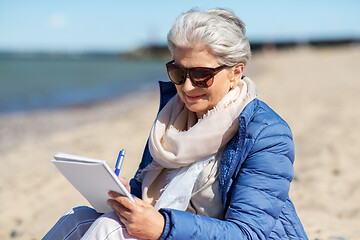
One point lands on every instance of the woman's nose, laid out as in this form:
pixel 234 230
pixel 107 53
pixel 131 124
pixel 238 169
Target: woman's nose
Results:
pixel 188 85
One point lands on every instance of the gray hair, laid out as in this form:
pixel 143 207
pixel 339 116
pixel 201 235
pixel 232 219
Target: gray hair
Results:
pixel 220 30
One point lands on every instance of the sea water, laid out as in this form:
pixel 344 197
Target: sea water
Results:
pixel 28 83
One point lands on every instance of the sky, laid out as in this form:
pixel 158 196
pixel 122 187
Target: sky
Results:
pixel 116 25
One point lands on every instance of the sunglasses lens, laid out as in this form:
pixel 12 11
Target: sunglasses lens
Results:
pixel 176 74
pixel 202 77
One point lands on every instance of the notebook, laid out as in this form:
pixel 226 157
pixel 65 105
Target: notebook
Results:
pixel 93 178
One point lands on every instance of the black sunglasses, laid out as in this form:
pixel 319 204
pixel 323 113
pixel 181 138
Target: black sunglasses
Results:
pixel 199 76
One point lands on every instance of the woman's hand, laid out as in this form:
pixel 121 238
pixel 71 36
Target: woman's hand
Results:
pixel 141 219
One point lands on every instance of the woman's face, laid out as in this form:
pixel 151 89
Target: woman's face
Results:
pixel 200 100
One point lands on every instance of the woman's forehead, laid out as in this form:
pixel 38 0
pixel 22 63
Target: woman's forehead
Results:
pixel 198 56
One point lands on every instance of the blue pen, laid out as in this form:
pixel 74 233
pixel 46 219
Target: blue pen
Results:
pixel 119 162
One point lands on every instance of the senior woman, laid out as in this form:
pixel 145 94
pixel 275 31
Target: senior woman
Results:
pixel 218 162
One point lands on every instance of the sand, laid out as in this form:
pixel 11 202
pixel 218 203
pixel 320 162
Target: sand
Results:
pixel 316 90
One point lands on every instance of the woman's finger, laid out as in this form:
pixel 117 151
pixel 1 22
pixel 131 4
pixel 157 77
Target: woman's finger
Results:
pixel 119 209
pixel 125 201
pixel 116 206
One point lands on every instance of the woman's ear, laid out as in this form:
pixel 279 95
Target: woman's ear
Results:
pixel 237 74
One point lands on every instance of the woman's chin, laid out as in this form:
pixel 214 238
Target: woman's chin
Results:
pixel 197 108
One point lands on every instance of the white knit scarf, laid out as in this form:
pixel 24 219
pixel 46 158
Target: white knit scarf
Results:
pixel 179 141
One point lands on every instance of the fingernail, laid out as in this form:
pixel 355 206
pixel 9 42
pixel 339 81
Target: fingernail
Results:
pixel 108 202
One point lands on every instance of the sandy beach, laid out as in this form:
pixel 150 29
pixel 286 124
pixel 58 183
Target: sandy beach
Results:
pixel 316 90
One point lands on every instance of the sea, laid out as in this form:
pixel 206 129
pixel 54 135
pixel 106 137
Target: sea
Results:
pixel 36 82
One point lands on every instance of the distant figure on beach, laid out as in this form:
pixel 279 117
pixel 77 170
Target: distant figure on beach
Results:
pixel 218 162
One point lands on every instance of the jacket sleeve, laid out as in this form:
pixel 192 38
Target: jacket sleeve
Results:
pixel 258 193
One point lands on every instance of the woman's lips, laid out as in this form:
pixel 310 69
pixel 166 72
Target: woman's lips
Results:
pixel 194 97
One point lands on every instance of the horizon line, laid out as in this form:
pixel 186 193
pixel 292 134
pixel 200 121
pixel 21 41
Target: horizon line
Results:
pixel 255 45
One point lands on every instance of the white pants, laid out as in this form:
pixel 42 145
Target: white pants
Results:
pixel 86 224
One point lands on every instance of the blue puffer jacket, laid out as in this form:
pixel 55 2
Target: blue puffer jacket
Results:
pixel 255 173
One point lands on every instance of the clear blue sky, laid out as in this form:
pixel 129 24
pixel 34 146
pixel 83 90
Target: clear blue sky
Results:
pixel 116 25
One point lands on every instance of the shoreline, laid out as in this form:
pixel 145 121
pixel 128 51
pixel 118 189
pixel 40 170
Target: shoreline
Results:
pixel 25 125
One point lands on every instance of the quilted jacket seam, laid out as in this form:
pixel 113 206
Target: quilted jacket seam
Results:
pixel 268 174
pixel 293 227
pixel 262 210
pixel 267 192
